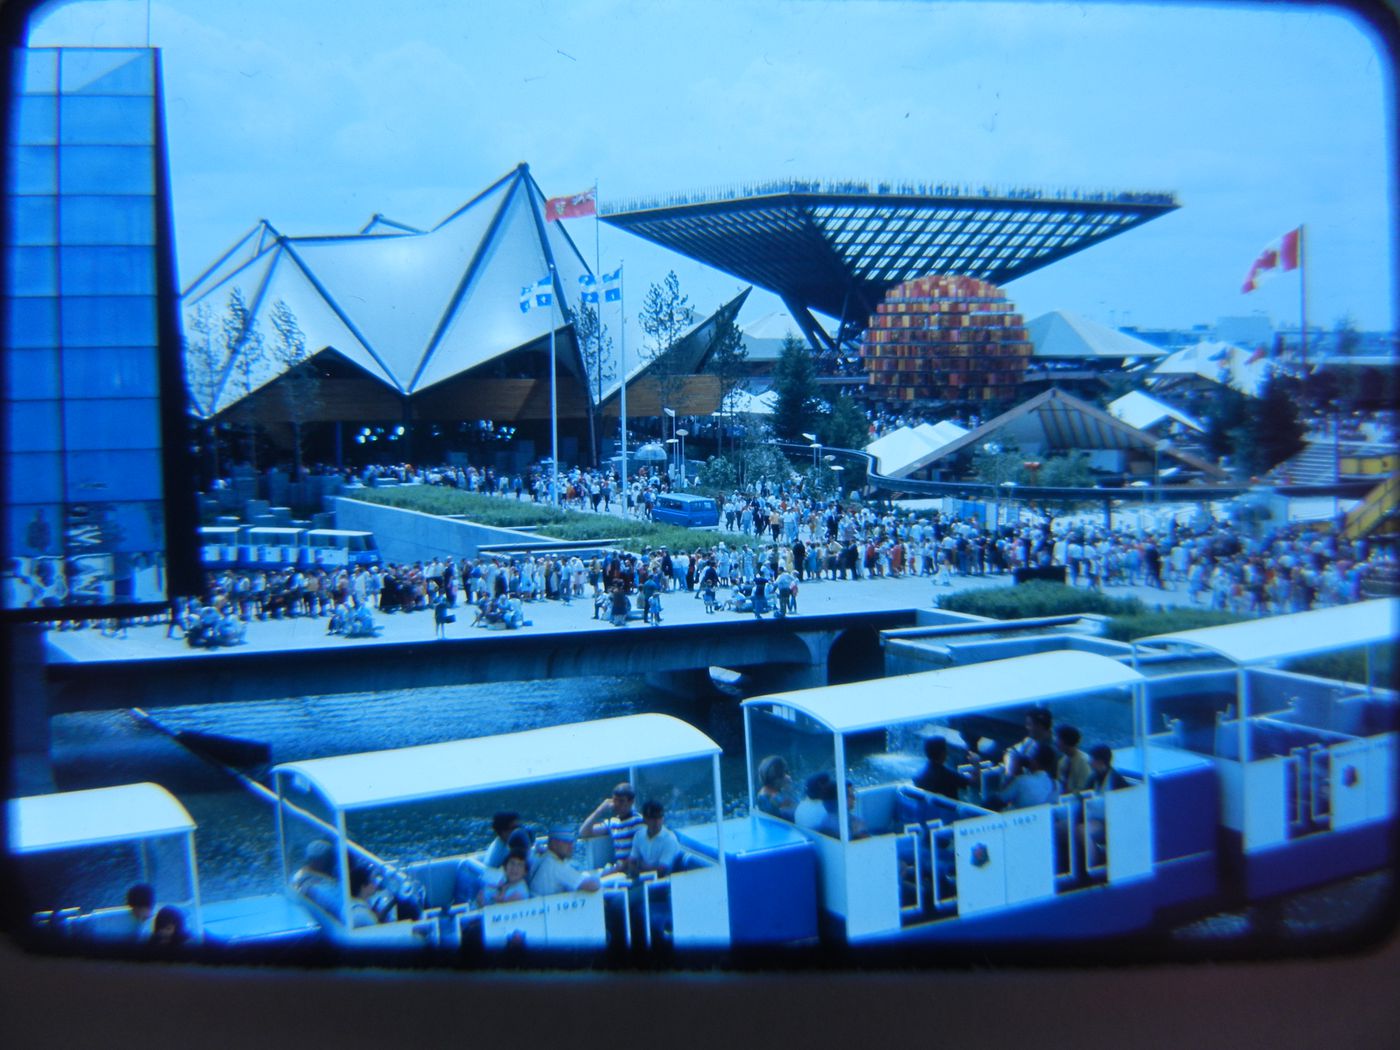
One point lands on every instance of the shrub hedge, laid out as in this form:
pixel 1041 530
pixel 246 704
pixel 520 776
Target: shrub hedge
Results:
pixel 1038 598
pixel 547 522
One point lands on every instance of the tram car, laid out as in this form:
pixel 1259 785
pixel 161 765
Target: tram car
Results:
pixel 1235 775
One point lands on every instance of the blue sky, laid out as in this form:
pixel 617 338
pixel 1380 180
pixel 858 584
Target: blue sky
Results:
pixel 316 114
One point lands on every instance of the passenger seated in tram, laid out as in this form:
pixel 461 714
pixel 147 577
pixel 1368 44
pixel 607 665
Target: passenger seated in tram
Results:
pixel 1033 785
pixel 136 924
pixel 1073 772
pixel 555 874
pixel 778 795
pixel 936 777
pixel 315 879
pixel 512 885
pixel 1039 724
pixel 615 816
pixel 655 847
pixel 370 904
pixel 810 811
pixel 1105 777
pixel 168 930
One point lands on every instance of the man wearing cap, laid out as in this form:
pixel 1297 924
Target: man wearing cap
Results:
pixel 554 873
pixel 615 816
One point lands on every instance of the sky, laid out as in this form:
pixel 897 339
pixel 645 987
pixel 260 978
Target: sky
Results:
pixel 316 114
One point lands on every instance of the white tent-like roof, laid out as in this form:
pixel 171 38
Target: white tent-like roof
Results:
pixel 1299 634
pixel 907 449
pixel 764 336
pixel 1144 412
pixel 410 308
pixel 89 818
pixel 1223 363
pixel 956 690
pixel 458 767
pixel 1064 335
pixel 743 403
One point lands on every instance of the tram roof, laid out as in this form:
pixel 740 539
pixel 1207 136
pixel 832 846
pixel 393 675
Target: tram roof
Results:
pixel 458 767
pixel 955 690
pixel 93 817
pixel 1297 634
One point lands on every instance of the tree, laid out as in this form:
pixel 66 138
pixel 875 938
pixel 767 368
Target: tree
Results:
pixel 1227 413
pixel 595 344
pixel 795 380
pixel 666 314
pixel 846 426
pixel 725 361
pixel 1273 431
pixel 204 362
pixel 301 383
pixel 243 346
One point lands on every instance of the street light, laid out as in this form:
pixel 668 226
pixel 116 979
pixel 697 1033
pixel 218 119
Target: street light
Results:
pixel 682 432
pixel 816 447
pixel 1010 487
pixel 836 469
pixel 671 452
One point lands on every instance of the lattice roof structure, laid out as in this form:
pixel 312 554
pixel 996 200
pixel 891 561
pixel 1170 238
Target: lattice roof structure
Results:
pixel 409 308
pixel 839 247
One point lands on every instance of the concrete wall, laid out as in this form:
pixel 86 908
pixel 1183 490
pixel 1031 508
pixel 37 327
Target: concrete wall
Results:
pixel 410 535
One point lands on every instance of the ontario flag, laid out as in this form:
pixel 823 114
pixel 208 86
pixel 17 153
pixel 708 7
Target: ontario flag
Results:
pixel 573 207
pixel 1282 254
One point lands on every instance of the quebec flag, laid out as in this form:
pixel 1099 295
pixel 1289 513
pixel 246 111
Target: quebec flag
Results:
pixel 589 288
pixel 527 295
pixel 612 286
pixel 544 291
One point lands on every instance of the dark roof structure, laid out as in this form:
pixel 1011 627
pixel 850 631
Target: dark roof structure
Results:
pixel 839 247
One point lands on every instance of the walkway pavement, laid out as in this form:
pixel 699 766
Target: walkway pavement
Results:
pixel 825 597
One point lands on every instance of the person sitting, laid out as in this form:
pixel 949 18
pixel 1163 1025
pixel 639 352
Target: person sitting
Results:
pixel 503 824
pixel 512 886
pixel 340 619
pixel 777 796
pixel 1104 777
pixel 554 873
pixel 369 904
pixel 936 778
pixel 316 879
pixel 1033 785
pixel 136 922
pixel 1038 731
pixel 1073 773
pixel 615 816
pixel 655 847
pixel 361 624
pixel 810 812
pixel 168 930
pixel 831 822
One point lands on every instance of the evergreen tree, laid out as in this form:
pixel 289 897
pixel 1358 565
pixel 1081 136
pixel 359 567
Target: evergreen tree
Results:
pixel 243 346
pixel 1274 432
pixel 725 361
pixel 1227 413
pixel 301 381
pixel 795 380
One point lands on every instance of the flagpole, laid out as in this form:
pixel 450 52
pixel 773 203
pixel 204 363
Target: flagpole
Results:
pixel 622 367
pixel 1303 291
pixel 553 399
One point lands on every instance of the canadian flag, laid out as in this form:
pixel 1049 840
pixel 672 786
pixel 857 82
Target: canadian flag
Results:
pixel 1282 254
pixel 571 207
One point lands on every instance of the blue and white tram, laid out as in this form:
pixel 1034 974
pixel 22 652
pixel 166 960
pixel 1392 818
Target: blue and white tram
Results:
pixel 1306 766
pixel 928 866
pixel 360 804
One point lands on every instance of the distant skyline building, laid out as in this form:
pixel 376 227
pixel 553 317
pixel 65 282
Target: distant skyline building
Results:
pixel 946 339
pixel 838 247
pixel 99 513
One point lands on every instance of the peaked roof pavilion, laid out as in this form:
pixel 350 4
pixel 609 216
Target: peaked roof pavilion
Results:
pixel 1064 335
pixel 838 247
pixel 410 308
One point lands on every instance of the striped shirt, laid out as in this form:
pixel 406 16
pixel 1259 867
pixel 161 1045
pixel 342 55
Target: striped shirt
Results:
pixel 622 830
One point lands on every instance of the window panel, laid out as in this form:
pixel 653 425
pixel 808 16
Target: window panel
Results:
pixel 36 120
pixel 34 477
pixel 109 372
pixel 31 374
pixel 107 169
pixel 36 71
pixel 116 270
pixel 101 120
pixel 33 322
pixel 33 426
pixel 109 321
pixel 108 220
pixel 112 423
pixel 32 272
pixel 107 71
pixel 34 530
pixel 32 220
pixel 33 169
pixel 113 475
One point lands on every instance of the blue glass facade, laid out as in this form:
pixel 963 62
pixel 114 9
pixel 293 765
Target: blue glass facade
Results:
pixel 84 463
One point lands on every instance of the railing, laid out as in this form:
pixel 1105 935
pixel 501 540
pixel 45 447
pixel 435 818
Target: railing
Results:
pixel 1379 502
pixel 856 187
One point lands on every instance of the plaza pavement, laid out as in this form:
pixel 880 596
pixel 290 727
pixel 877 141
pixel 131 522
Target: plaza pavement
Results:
pixel 823 597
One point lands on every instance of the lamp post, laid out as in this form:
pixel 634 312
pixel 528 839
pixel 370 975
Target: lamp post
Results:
pixel 671 450
pixel 816 446
pixel 836 469
pixel 993 449
pixel 682 433
pixel 1010 488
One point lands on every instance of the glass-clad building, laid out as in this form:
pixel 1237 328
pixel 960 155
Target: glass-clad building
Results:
pixel 91 366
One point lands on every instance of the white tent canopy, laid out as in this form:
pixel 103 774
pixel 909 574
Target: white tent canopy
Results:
pixel 458 767
pixel 1064 335
pixel 1220 363
pixel 94 817
pixel 1299 634
pixel 1145 411
pixel 907 449
pixel 956 690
